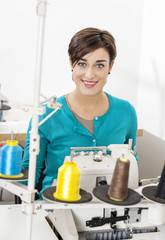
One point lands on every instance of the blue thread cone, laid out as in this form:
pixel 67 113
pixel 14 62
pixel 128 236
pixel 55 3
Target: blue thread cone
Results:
pixel 10 158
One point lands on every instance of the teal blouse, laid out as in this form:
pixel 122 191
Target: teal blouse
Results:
pixel 62 131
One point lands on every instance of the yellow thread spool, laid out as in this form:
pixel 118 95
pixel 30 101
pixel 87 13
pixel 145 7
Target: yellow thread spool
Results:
pixel 68 182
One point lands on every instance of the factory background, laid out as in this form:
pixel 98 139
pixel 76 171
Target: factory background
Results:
pixel 138 74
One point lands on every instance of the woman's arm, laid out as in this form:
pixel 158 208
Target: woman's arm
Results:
pixel 2 143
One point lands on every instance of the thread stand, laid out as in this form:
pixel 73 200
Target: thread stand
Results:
pixel 68 185
pixel 156 193
pixel 34 138
pixel 101 192
pixel 149 192
pixel 48 196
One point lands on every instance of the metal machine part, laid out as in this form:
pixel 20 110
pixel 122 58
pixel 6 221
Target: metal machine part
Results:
pixel 97 157
pixel 100 161
pixel 104 234
pixel 134 214
pixel 109 221
pixel 115 235
pixel 144 182
pixel 75 150
pixel 131 215
pixel 101 180
pixel 108 235
pixel 112 220
pixel 124 223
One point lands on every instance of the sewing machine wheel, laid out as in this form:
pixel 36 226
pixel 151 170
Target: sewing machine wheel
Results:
pixel 48 195
pixel 101 192
pixel 24 177
pixel 149 192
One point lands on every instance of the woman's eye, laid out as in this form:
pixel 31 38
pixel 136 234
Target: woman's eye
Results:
pixel 100 65
pixel 82 64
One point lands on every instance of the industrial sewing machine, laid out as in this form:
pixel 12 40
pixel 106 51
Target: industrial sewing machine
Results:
pixel 94 219
pixel 97 219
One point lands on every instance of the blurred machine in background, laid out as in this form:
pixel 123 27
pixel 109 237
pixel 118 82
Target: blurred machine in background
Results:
pixel 3 107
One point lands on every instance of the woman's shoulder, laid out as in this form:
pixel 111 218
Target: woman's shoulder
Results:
pixel 120 103
pixel 61 99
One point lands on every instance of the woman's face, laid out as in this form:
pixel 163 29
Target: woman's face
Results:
pixel 90 73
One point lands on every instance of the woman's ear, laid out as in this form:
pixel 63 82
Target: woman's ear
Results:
pixel 111 66
pixel 71 64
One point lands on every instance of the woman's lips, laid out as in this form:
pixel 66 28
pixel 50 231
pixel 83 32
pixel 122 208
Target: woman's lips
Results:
pixel 89 84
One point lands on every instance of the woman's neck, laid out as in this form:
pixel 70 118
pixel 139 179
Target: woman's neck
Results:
pixel 88 107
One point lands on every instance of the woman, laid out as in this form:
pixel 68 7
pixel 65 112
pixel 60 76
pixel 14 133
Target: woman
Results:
pixel 89 116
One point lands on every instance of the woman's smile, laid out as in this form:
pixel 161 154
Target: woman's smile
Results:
pixel 89 84
pixel 90 72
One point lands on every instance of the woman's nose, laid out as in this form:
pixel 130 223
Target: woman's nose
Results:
pixel 90 73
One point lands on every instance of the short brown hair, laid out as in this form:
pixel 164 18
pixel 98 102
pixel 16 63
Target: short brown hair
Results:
pixel 88 40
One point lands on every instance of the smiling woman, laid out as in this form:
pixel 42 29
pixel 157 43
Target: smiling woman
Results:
pixel 92 53
pixel 89 116
pixel 90 76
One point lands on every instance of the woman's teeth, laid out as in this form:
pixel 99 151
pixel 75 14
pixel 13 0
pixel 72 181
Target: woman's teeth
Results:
pixel 89 84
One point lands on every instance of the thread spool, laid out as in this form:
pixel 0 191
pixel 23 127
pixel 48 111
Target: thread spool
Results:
pixel 68 182
pixel 160 191
pixel 10 160
pixel 118 190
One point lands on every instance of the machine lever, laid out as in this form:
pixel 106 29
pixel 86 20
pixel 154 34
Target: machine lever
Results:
pixel 97 221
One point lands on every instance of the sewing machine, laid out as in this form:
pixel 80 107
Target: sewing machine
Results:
pixel 100 220
pixel 95 219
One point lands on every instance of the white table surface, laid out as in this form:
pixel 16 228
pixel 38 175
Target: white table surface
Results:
pixel 13 224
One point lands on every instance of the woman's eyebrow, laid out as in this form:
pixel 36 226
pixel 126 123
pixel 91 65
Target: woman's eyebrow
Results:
pixel 101 61
pixel 82 59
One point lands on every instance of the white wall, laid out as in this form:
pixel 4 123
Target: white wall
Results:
pixel 138 74
pixel 151 88
pixel 18 24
